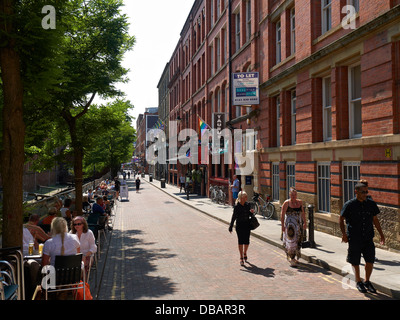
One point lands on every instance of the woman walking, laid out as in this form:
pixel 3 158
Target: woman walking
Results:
pixel 293 221
pixel 242 214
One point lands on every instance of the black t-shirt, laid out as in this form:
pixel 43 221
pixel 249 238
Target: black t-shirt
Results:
pixel 359 218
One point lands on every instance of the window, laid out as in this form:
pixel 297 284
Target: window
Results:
pixel 326 15
pixel 250 140
pixel 224 46
pixel 275 181
pixel 248 20
pixel 293 120
pixel 212 59
pixel 237 31
pixel 218 53
pixel 355 4
pixel 278 121
pixel 351 176
pixel 212 13
pixel 218 100
pixel 292 31
pixel 324 187
pixel 290 177
pixel 355 102
pixel 278 42
pixel 327 108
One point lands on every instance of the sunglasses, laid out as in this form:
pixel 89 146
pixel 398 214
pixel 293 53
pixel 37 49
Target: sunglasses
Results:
pixel 77 224
pixel 364 192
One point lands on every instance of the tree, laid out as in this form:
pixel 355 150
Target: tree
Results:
pixel 94 45
pixel 26 64
pixel 113 143
pixel 54 73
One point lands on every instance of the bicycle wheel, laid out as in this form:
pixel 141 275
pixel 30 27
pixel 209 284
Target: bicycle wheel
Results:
pixel 268 210
pixel 256 208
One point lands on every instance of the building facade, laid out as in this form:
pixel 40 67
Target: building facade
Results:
pixel 329 97
pixel 144 123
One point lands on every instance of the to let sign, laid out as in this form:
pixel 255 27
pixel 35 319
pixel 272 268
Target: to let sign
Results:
pixel 245 88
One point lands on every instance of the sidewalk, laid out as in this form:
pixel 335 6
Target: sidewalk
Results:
pixel 329 253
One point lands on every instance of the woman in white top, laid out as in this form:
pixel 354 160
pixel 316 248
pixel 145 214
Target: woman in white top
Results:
pixel 62 243
pixel 86 238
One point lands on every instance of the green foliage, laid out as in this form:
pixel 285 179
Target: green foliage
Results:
pixel 112 142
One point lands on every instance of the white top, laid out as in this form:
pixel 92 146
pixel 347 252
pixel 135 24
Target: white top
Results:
pixel 63 211
pixel 27 237
pixel 52 247
pixel 88 242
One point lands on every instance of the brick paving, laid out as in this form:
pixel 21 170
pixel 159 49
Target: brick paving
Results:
pixel 163 249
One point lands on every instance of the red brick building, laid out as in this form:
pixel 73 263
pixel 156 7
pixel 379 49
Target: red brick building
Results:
pixel 329 96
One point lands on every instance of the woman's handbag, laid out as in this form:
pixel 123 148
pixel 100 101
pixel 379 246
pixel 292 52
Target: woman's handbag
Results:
pixel 254 224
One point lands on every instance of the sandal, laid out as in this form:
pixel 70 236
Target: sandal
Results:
pixel 241 262
pixel 245 257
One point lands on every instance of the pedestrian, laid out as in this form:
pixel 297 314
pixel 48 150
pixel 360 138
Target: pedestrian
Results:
pixel 129 174
pixel 235 188
pixel 182 182
pixel 117 187
pixel 137 184
pixel 242 213
pixel 360 214
pixel 293 221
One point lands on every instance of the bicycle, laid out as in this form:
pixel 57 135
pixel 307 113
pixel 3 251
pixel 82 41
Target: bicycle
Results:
pixel 213 193
pixel 221 196
pixel 264 207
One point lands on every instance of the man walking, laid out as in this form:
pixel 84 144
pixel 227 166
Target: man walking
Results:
pixel 360 214
pixel 235 189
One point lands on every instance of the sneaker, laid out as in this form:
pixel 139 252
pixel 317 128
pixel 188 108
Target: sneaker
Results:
pixel 360 287
pixel 369 287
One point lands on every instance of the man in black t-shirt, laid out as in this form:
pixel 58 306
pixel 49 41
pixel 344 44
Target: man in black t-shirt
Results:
pixel 360 214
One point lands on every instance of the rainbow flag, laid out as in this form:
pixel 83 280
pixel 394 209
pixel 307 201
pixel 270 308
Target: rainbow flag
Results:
pixel 203 126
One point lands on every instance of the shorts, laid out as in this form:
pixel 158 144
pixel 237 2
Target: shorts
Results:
pixel 358 248
pixel 235 195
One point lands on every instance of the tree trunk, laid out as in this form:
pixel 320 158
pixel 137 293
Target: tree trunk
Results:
pixel 78 161
pixel 78 172
pixel 12 154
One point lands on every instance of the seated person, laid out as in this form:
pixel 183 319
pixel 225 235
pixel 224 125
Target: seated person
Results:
pixel 85 203
pixel 49 217
pixel 37 232
pixel 97 211
pixel 31 266
pixel 65 211
pixel 62 243
pixel 86 238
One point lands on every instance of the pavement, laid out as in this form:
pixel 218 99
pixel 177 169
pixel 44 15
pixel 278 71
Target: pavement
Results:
pixel 329 252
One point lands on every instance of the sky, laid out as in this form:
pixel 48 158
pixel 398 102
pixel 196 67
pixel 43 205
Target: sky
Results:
pixel 156 25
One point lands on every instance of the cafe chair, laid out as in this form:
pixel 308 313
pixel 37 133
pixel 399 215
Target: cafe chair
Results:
pixel 92 265
pixel 8 285
pixel 102 227
pixel 68 274
pixel 15 257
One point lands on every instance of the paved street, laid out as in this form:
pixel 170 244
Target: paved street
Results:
pixel 163 249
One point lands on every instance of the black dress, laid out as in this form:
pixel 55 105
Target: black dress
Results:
pixel 241 214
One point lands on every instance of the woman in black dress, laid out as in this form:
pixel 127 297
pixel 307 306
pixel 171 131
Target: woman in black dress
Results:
pixel 137 184
pixel 242 214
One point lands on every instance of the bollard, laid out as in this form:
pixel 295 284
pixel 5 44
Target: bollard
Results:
pixel 162 183
pixel 311 225
pixel 151 178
